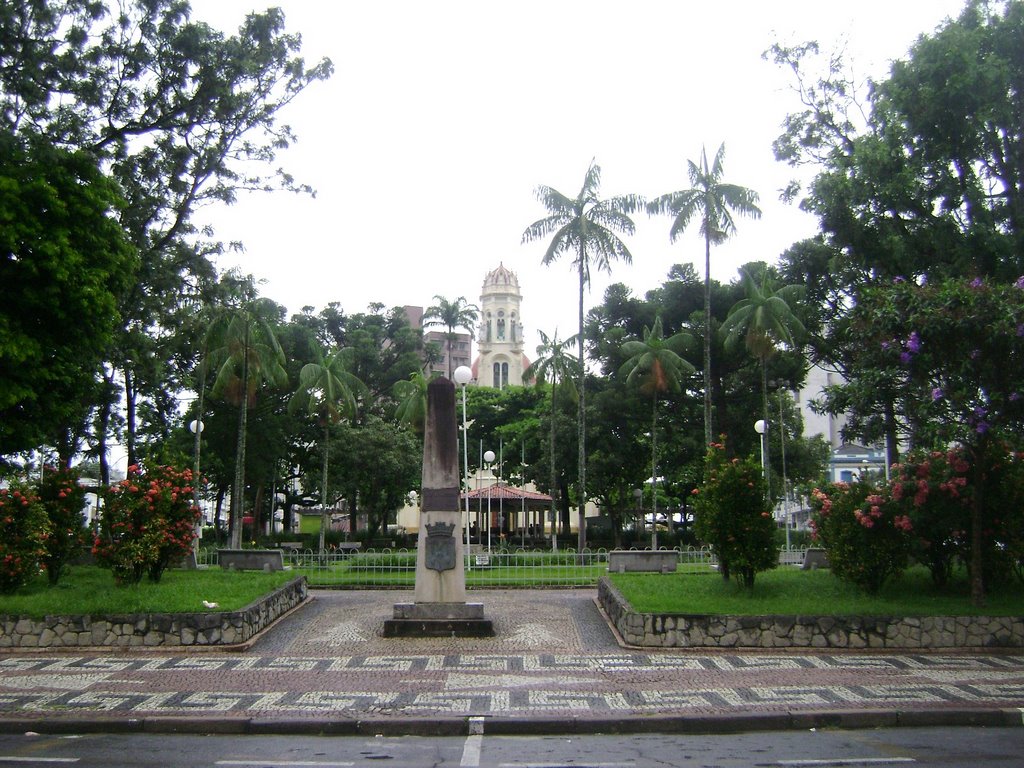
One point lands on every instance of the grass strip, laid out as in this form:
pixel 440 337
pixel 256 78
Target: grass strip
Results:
pixel 91 591
pixel 793 592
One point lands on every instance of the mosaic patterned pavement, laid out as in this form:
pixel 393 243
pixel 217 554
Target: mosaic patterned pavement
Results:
pixel 553 657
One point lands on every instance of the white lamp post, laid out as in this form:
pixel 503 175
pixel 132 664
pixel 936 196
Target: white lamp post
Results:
pixel 462 376
pixel 196 428
pixel 489 458
pixel 761 427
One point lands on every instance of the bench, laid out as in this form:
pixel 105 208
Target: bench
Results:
pixel 251 559
pixel 647 560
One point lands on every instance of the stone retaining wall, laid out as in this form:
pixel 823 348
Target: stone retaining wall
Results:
pixel 151 630
pixel 850 632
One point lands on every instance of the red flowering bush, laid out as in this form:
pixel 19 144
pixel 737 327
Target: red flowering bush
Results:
pixel 866 534
pixel 933 490
pixel 64 499
pixel 733 516
pixel 148 522
pixel 23 533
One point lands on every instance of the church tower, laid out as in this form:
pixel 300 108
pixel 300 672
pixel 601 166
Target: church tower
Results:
pixel 500 336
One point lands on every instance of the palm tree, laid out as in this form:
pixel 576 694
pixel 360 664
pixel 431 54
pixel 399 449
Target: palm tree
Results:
pixel 553 363
pixel 714 200
pixel 412 401
pixel 451 314
pixel 585 227
pixel 764 318
pixel 327 389
pixel 656 363
pixel 245 352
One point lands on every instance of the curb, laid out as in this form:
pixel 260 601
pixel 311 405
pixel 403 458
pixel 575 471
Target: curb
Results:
pixel 743 722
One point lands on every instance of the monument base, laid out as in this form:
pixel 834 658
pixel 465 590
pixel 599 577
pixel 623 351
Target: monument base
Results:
pixel 438 620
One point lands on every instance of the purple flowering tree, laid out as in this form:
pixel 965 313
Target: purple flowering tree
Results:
pixel 950 357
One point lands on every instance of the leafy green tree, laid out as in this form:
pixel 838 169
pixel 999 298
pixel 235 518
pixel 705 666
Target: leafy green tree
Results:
pixel 244 351
pixel 24 528
pixel 764 319
pixel 733 516
pixel 61 493
pixel 451 315
pixel 64 264
pixel 714 201
pixel 657 366
pixel 555 366
pixel 951 350
pixel 328 390
pixel 411 394
pixel 376 478
pixel 587 228
pixel 182 116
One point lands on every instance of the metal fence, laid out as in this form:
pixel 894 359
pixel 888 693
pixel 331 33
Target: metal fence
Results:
pixel 396 569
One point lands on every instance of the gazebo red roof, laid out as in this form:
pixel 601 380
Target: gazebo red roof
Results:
pixel 506 492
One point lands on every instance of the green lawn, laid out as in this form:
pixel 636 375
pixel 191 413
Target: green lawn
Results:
pixel 88 590
pixel 787 591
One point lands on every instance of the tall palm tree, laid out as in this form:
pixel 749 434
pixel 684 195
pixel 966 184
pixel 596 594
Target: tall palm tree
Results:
pixel 585 227
pixel 714 201
pixel 451 314
pixel 412 401
pixel 764 318
pixel 328 390
pixel 245 352
pixel 658 366
pixel 554 364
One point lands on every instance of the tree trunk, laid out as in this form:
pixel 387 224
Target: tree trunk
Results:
pixel 582 424
pixel 554 477
pixel 323 492
pixel 707 340
pixel 977 520
pixel 129 399
pixel 238 492
pixel 654 474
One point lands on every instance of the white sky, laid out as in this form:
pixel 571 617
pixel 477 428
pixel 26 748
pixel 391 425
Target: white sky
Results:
pixel 442 117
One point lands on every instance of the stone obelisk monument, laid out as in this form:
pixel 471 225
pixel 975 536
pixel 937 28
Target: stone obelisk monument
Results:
pixel 440 609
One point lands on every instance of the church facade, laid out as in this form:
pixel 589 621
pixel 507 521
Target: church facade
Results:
pixel 501 361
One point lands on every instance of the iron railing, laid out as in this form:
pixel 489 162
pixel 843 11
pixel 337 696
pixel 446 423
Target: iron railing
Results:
pixel 396 569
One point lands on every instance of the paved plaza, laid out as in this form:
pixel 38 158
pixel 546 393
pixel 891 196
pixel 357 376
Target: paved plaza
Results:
pixel 554 665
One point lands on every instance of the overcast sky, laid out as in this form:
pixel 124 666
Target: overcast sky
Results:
pixel 441 119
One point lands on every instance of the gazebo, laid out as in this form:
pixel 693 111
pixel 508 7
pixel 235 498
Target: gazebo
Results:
pixel 511 510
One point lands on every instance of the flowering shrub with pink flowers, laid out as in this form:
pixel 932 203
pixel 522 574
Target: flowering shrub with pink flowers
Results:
pixel 867 535
pixel 64 499
pixel 148 522
pixel 933 490
pixel 23 533
pixel 733 516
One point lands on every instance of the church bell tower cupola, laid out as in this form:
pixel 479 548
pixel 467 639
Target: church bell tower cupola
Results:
pixel 500 335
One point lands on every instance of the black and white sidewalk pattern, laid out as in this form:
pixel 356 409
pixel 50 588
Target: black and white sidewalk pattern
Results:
pixel 496 684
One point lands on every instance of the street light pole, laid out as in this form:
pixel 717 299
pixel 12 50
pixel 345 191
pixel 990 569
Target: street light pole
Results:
pixel 785 492
pixel 489 458
pixel 462 376
pixel 196 427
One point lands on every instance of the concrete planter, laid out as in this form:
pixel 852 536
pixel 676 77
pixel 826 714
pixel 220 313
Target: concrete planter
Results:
pixel 815 632
pixel 646 560
pixel 251 559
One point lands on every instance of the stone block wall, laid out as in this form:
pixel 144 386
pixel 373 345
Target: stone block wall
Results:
pixel 152 630
pixel 817 632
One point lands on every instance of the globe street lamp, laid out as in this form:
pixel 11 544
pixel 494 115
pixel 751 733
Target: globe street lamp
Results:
pixel 489 458
pixel 462 376
pixel 196 428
